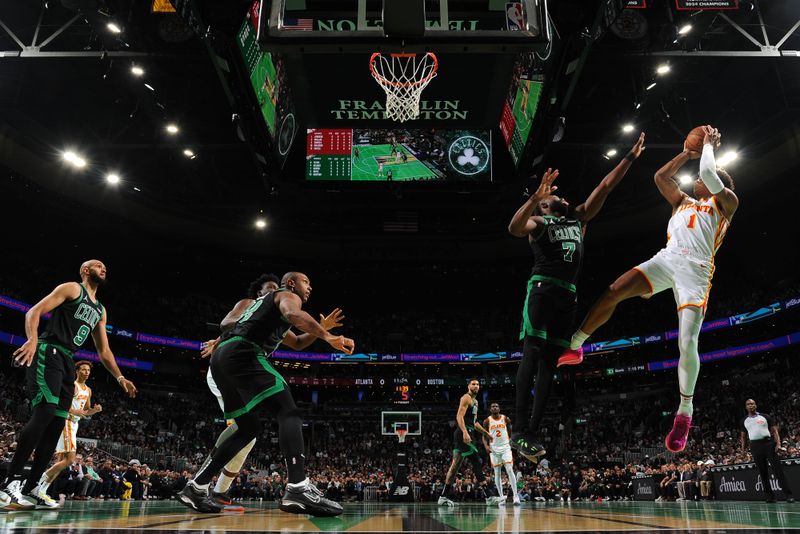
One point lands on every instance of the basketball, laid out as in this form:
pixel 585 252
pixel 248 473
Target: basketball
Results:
pixel 694 141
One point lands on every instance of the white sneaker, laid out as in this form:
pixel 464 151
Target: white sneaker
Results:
pixel 516 500
pixel 15 500
pixel 43 500
pixel 444 501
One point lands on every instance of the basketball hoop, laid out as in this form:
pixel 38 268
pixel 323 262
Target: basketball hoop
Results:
pixel 403 77
pixel 401 434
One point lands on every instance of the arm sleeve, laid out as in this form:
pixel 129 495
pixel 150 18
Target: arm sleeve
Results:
pixel 708 171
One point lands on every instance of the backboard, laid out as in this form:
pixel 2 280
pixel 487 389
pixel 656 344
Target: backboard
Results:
pixel 456 26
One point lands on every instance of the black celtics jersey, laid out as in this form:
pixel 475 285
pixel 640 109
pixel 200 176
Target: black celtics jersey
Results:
pixel 557 250
pixel 472 417
pixel 72 322
pixel 262 323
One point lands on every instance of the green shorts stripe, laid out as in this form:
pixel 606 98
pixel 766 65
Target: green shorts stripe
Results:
pixel 43 393
pixel 555 281
pixel 62 414
pixel 280 382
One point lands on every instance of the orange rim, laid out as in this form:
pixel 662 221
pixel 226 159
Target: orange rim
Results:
pixel 381 79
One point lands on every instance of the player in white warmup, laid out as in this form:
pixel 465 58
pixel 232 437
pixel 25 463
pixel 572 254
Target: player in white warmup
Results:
pixel 67 443
pixel 499 449
pixel 686 265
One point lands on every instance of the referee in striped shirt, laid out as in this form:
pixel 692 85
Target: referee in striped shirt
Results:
pixel 764 446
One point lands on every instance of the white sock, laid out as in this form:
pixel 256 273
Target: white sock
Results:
pixel 299 485
pixel 512 480
pixel 498 481
pixel 224 481
pixel 577 339
pixel 686 407
pixel 203 487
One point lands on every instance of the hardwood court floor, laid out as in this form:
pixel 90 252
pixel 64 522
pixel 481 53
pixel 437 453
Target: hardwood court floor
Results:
pixel 169 516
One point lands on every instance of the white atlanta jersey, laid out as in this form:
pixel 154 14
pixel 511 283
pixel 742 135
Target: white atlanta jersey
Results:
pixel 499 432
pixel 686 265
pixel 696 229
pixel 79 400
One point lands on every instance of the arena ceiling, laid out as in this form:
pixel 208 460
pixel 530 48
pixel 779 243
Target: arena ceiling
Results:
pixel 78 93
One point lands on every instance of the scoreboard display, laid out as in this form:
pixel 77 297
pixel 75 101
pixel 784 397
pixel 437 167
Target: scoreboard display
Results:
pixel 400 155
pixel 328 154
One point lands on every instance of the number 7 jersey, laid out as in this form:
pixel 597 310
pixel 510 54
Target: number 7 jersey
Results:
pixel 697 228
pixel 558 249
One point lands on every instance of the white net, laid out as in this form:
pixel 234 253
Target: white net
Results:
pixel 403 77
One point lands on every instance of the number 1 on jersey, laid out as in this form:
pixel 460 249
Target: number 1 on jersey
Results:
pixel 692 217
pixel 569 250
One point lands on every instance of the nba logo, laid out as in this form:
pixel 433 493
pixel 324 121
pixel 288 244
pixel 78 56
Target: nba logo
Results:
pixel 515 16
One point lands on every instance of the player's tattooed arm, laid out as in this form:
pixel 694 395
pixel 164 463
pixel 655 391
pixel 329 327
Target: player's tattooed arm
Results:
pixel 234 315
pixel 290 307
pixel 524 223
pixel 589 209
pixel 328 322
pixel 463 405
pixel 62 293
pixel 486 437
pixel 107 357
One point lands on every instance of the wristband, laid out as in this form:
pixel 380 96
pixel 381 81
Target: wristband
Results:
pixel 630 157
pixel 120 378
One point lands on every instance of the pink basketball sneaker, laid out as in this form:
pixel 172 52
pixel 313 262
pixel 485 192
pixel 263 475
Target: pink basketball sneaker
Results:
pixel 677 437
pixel 571 357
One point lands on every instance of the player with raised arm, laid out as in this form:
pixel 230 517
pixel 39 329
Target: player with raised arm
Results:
pixel 686 264
pixel 77 314
pixel 555 233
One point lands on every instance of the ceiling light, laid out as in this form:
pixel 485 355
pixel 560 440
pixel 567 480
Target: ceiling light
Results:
pixel 686 28
pixel 727 158
pixel 261 224
pixel 612 152
pixel 627 128
pixel 172 129
pixel 137 70
pixel 662 69
pixel 638 105
pixel 71 157
pixel 149 86
pixel 650 86
pixel 188 153
pixel 136 189
pixel 112 178
pixel 685 179
pixel 113 28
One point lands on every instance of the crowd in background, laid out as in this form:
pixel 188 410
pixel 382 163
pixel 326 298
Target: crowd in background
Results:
pixel 147 447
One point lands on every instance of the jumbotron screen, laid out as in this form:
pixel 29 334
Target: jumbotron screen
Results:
pixel 519 108
pixel 399 155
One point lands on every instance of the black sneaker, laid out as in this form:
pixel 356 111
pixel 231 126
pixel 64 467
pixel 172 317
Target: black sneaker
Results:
pixel 198 500
pixel 309 500
pixel 11 497
pixel 789 500
pixel 526 446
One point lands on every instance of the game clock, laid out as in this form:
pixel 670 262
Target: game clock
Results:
pixel 402 394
